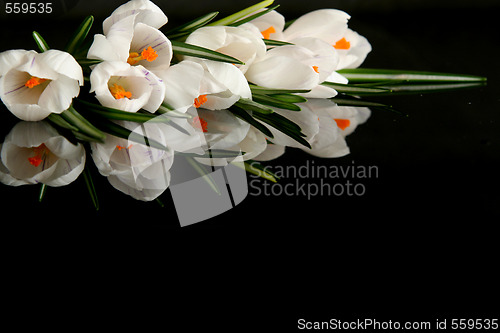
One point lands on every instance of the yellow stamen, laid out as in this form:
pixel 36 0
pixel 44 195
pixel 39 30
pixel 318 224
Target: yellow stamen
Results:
pixel 200 101
pixel 148 54
pixel 200 124
pixel 40 154
pixel 343 123
pixel 34 81
pixel 266 34
pixel 342 44
pixel 119 92
pixel 316 69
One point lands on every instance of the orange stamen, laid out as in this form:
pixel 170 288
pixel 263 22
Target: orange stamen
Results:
pixel 342 44
pixel 119 92
pixel 121 147
pixel 40 154
pixel 343 123
pixel 34 81
pixel 266 34
pixel 148 54
pixel 200 101
pixel 316 69
pixel 200 123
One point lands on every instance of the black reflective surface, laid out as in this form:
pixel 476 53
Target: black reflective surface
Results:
pixel 432 211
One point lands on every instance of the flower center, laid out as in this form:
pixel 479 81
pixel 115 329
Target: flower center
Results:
pixel 316 69
pixel 148 54
pixel 200 101
pixel 266 34
pixel 342 44
pixel 122 147
pixel 119 92
pixel 41 153
pixel 343 123
pixel 34 81
pixel 200 124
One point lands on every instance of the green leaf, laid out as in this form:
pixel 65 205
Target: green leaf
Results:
pixel 189 27
pixel 115 114
pixel 248 104
pixel 284 125
pixel 80 34
pixel 201 169
pixel 354 90
pixel 272 42
pixel 58 120
pixel 241 14
pixel 90 187
pixel 289 98
pixel 371 74
pixel 252 17
pixel 42 44
pixel 245 116
pixel 41 194
pixel 275 102
pixel 201 52
pixel 258 170
pixel 270 91
pixel 83 125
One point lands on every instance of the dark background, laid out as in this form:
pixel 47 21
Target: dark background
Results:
pixel 422 238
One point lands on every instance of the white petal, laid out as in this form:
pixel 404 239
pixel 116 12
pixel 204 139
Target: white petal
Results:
pixel 13 58
pixel 272 152
pixel 182 84
pixel 327 24
pixel 229 76
pixel 146 36
pixel 356 54
pixel 270 19
pixel 63 63
pixel 59 94
pixel 147 12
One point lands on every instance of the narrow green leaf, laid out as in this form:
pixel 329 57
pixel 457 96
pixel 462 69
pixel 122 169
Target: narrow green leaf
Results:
pixel 80 34
pixel 42 44
pixel 90 187
pixel 115 114
pixel 258 170
pixel 245 116
pixel 88 62
pixel 214 153
pixel 41 194
pixel 241 14
pixel 203 173
pixel 272 42
pixel 289 98
pixel 371 74
pixel 253 17
pixel 364 103
pixel 275 102
pixel 271 91
pixel 284 125
pixel 58 120
pixel 248 104
pixel 191 26
pixel 77 120
pixel 201 52
pixel 354 90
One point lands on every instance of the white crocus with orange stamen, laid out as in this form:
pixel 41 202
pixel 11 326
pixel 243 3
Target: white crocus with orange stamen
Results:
pixel 133 42
pixel 270 25
pixel 301 66
pixel 236 42
pixel 34 85
pixel 129 88
pixel 34 152
pixel 331 26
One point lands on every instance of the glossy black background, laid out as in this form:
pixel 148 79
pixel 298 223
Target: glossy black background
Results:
pixel 424 233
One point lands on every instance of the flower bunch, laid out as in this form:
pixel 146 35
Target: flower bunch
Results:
pixel 237 90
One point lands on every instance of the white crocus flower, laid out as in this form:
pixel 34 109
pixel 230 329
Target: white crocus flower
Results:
pixel 137 169
pixel 147 12
pixel 34 85
pixel 236 42
pixel 129 88
pixel 134 42
pixel 270 25
pixel 34 152
pixel 331 26
pixel 301 66
pixel 272 151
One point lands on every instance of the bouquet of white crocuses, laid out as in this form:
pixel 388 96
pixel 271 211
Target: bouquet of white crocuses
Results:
pixel 237 90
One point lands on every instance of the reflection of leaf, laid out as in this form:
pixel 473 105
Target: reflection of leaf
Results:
pixel 350 101
pixel 90 187
pixel 371 74
pixel 355 90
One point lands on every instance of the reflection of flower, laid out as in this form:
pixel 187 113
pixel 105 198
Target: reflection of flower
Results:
pixel 34 85
pixel 34 152
pixel 129 88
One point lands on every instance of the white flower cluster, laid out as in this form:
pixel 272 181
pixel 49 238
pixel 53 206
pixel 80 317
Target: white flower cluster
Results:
pixel 138 70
